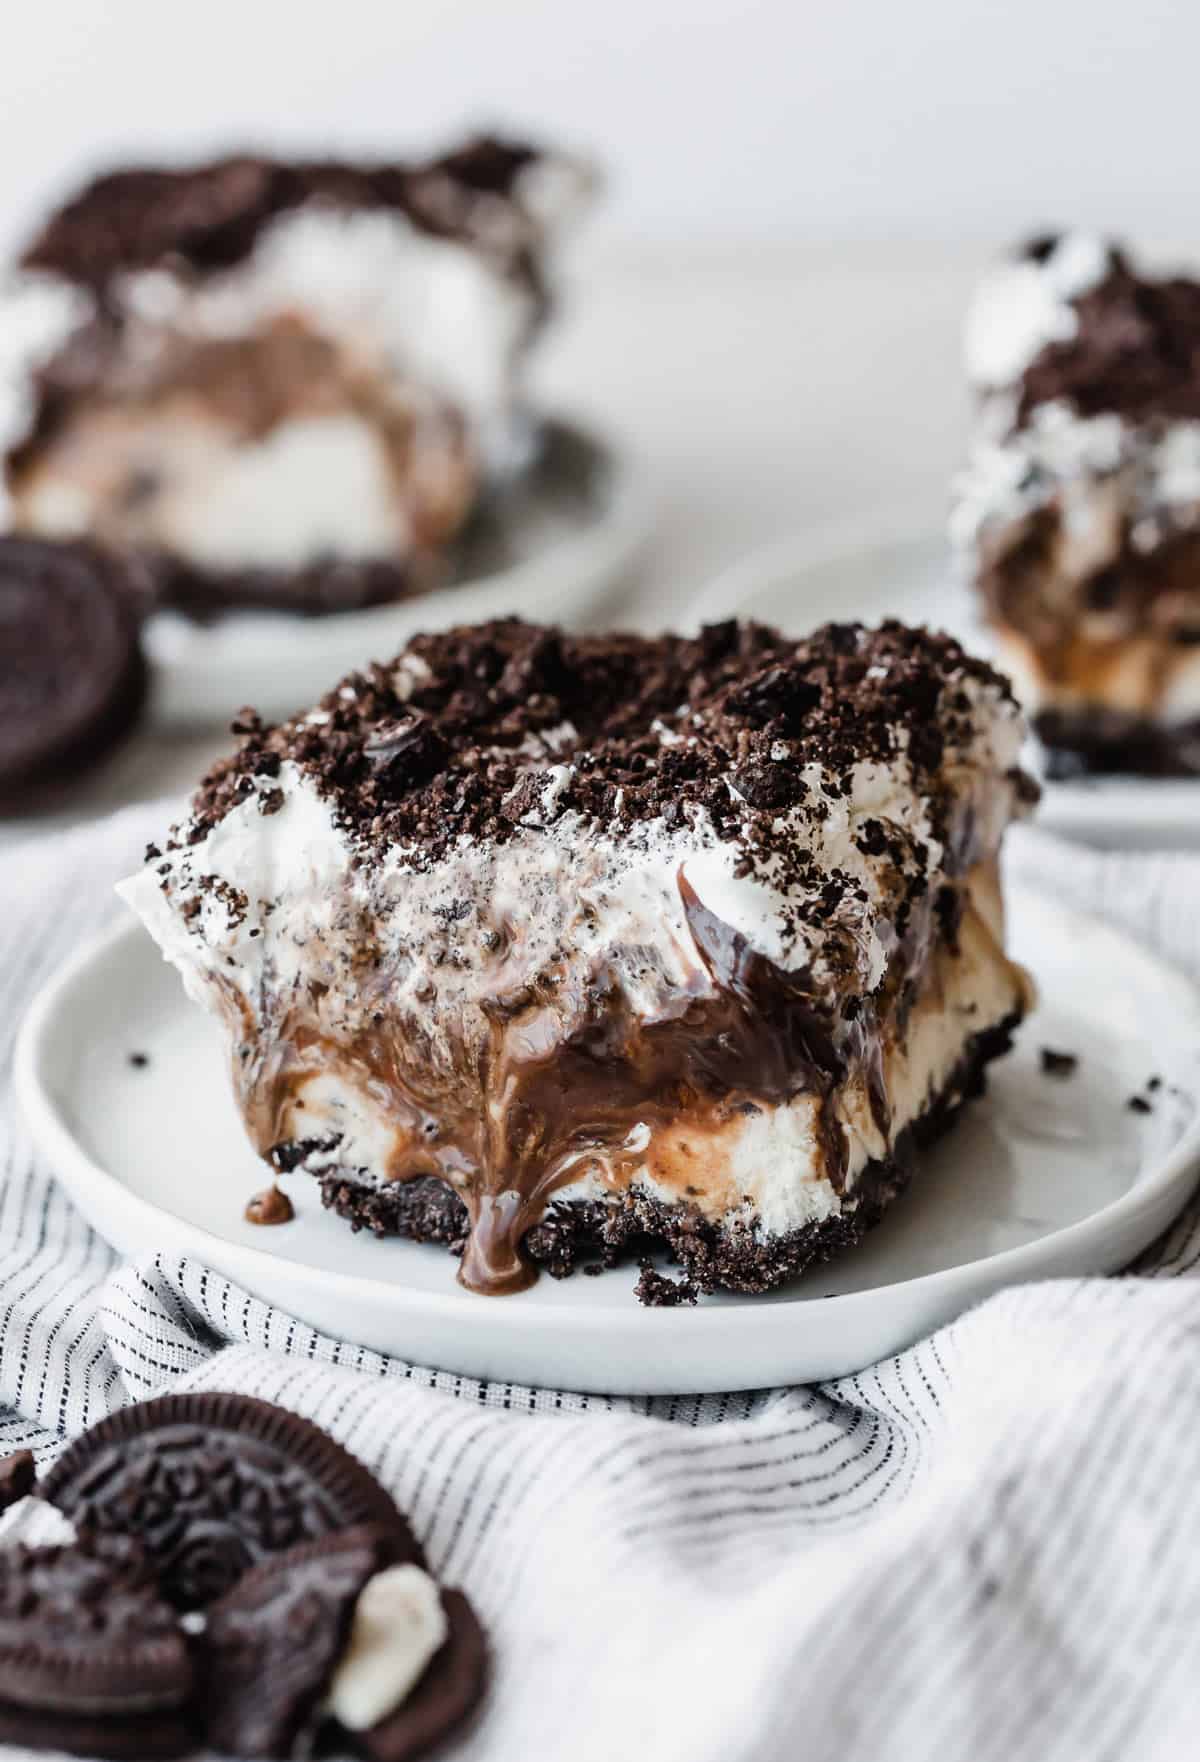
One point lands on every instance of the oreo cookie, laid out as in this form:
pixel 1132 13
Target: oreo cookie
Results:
pixel 18 1477
pixel 447 1694
pixel 212 1484
pixel 273 1641
pixel 92 1659
pixel 72 673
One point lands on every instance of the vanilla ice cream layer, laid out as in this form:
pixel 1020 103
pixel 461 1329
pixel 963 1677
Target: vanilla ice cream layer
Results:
pixel 311 488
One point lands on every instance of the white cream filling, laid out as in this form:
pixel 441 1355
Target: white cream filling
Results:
pixel 399 1623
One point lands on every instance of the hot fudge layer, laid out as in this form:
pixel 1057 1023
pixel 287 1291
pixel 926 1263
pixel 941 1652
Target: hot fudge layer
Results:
pixel 1078 516
pixel 281 384
pixel 540 944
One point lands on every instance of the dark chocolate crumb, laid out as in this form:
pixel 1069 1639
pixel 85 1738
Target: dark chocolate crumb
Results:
pixel 1134 350
pixel 657 1291
pixel 1058 1064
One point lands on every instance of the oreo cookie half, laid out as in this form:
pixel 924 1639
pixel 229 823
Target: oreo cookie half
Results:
pixel 210 1484
pixel 72 674
pixel 272 1643
pixel 92 1659
pixel 18 1477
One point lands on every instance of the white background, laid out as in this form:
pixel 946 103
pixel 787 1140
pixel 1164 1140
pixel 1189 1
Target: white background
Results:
pixel 803 118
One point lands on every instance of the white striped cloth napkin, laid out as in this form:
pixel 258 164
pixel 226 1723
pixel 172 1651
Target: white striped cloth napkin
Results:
pixel 985 1548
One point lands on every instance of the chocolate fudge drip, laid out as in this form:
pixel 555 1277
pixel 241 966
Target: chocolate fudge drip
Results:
pixel 565 1077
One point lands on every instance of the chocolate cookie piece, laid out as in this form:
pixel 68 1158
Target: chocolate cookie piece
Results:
pixel 91 1658
pixel 18 1477
pixel 213 1483
pixel 144 1737
pixel 451 1688
pixel 272 1642
pixel 72 674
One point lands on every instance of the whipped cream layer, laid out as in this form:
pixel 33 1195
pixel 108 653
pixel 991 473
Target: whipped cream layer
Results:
pixel 735 1007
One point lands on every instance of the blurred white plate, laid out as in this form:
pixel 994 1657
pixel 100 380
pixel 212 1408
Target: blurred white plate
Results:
pixel 1044 1177
pixel 550 548
pixel 880 567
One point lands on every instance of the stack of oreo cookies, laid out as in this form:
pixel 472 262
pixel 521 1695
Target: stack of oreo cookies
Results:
pixel 237 1581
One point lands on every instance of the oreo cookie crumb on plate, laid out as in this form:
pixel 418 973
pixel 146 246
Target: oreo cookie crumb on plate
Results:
pixel 658 1291
pixel 1058 1064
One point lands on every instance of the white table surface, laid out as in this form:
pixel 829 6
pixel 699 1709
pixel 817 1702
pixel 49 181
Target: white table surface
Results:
pixel 765 391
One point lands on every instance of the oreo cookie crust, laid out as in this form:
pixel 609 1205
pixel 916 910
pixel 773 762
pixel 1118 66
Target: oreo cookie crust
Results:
pixel 211 1484
pixel 714 1256
pixel 72 674
pixel 92 1660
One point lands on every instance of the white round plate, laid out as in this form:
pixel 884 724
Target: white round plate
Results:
pixel 555 541
pixel 882 567
pixel 1043 1177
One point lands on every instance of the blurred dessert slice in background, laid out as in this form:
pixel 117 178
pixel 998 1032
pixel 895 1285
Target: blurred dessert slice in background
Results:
pixel 281 384
pixel 1078 514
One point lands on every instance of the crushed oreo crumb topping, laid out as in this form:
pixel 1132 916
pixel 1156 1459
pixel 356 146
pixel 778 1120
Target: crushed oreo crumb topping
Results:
pixel 1136 351
pixel 209 216
pixel 478 730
